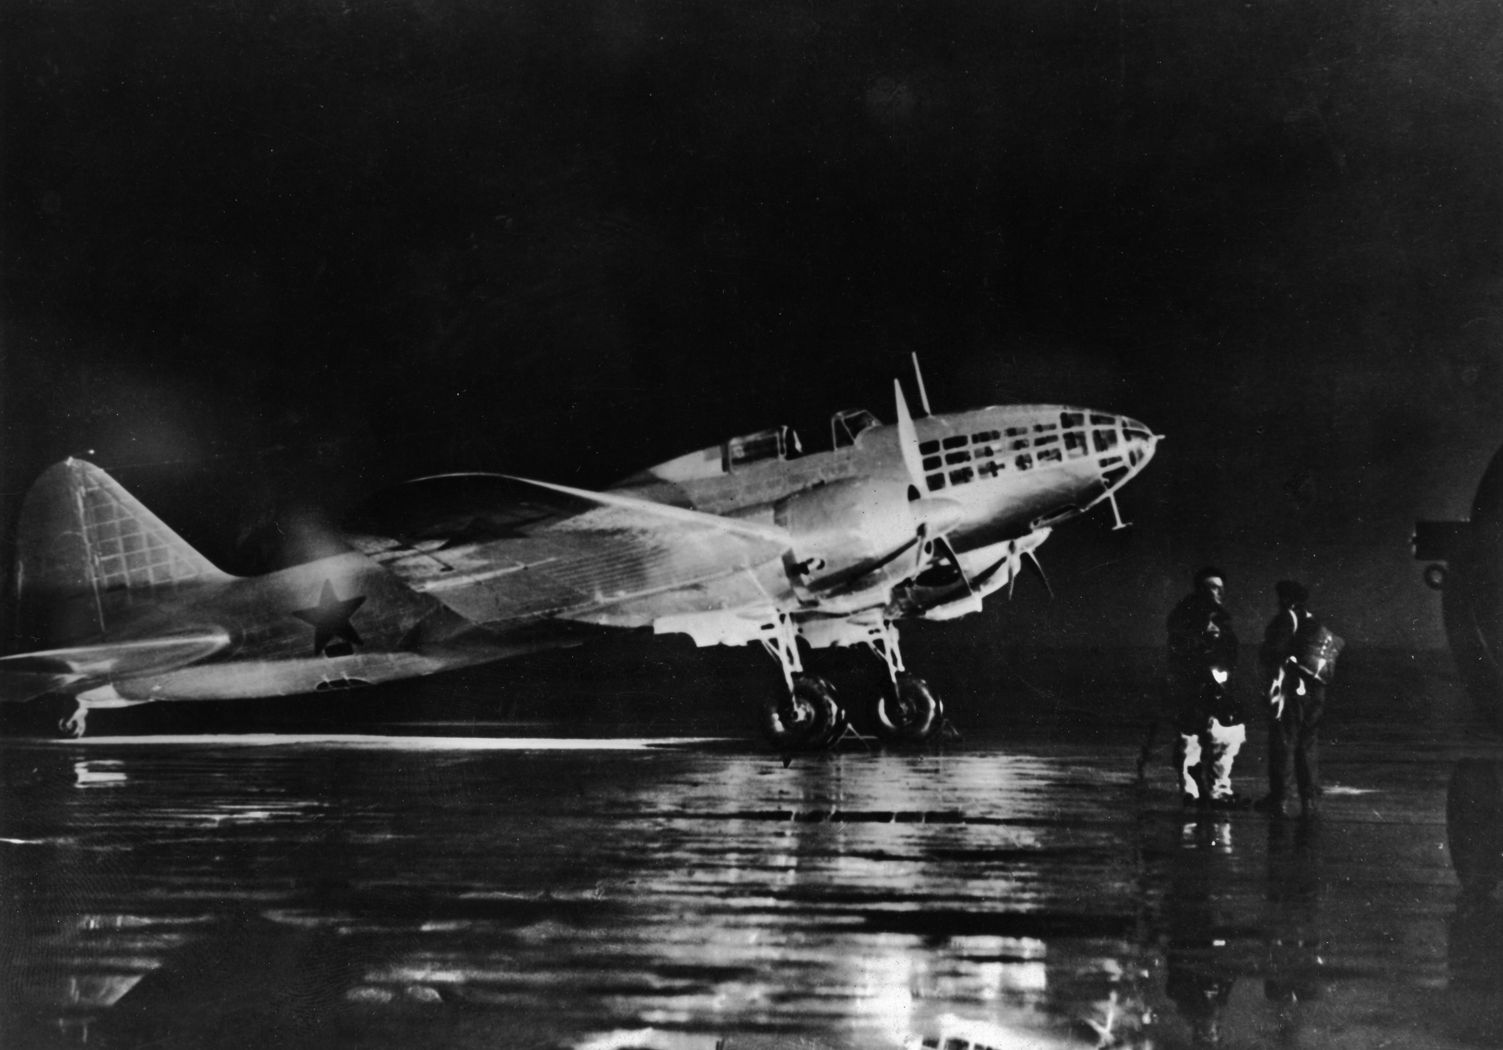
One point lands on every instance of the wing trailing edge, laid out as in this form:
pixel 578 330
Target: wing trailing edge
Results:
pixel 652 512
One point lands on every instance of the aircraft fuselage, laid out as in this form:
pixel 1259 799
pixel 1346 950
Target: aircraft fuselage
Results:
pixel 1008 469
pixel 327 624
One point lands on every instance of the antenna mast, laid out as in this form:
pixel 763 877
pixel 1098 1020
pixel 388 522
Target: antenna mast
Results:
pixel 923 394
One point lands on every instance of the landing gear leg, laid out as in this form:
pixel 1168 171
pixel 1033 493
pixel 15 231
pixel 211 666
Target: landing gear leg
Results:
pixel 908 711
pixel 75 724
pixel 806 715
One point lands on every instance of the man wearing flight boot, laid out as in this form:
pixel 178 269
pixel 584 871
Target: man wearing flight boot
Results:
pixel 1202 654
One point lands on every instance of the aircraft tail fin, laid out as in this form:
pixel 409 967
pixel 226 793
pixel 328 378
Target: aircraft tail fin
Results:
pixel 87 552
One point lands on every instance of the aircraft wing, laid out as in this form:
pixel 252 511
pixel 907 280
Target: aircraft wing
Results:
pixel 500 551
pixel 26 676
pixel 447 510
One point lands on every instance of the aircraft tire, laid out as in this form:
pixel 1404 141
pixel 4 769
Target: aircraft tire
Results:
pixel 1474 824
pixel 807 720
pixel 73 726
pixel 910 713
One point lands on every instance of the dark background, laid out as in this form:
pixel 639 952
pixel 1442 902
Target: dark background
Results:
pixel 262 258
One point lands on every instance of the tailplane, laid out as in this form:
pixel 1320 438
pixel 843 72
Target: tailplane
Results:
pixel 87 552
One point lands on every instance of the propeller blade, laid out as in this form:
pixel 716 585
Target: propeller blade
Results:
pixel 908 439
pixel 1038 568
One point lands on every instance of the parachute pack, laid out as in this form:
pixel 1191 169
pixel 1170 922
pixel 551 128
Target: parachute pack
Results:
pixel 1316 649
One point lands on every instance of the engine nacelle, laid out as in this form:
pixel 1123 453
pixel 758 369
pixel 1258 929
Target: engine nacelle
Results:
pixel 845 529
pixel 950 588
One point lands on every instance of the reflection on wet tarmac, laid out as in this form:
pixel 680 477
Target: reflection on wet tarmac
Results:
pixel 991 894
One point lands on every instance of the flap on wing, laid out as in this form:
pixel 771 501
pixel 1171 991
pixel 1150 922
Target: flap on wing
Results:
pixel 118 658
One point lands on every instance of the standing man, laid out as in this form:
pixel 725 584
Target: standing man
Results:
pixel 1202 655
pixel 1298 658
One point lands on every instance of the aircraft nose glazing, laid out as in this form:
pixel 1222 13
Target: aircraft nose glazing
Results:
pixel 1123 446
pixel 1139 442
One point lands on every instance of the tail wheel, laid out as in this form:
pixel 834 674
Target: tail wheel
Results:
pixel 1474 824
pixel 807 719
pixel 910 712
pixel 75 725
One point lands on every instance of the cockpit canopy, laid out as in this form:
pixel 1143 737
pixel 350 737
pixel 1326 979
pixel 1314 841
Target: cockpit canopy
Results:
pixel 715 461
pixel 847 423
pixel 777 443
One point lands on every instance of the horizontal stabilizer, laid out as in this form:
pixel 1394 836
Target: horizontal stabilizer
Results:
pixel 19 686
pixel 117 659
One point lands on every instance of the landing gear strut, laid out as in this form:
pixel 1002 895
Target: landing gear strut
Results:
pixel 806 715
pixel 76 724
pixel 908 711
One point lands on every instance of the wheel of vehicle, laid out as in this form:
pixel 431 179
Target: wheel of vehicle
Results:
pixel 807 719
pixel 1472 597
pixel 1474 824
pixel 909 713
pixel 74 725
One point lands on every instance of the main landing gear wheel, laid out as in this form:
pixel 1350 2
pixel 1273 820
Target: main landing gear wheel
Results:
pixel 808 719
pixel 1474 824
pixel 909 712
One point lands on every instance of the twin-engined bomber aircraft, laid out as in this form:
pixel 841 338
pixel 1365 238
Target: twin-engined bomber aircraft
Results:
pixel 742 542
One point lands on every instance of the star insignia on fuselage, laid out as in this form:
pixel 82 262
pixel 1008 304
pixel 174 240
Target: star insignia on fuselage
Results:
pixel 330 619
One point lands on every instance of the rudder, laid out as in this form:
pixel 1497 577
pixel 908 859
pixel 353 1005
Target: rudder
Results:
pixel 87 550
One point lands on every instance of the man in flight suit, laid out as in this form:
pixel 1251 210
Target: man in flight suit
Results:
pixel 1297 700
pixel 1202 655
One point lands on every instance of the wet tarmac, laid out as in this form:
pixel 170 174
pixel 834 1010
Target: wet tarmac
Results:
pixel 529 888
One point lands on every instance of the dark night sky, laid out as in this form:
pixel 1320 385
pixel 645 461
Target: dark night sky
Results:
pixel 261 258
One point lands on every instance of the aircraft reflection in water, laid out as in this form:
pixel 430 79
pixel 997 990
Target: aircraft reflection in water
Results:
pixel 440 892
pixel 251 903
pixel 746 541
